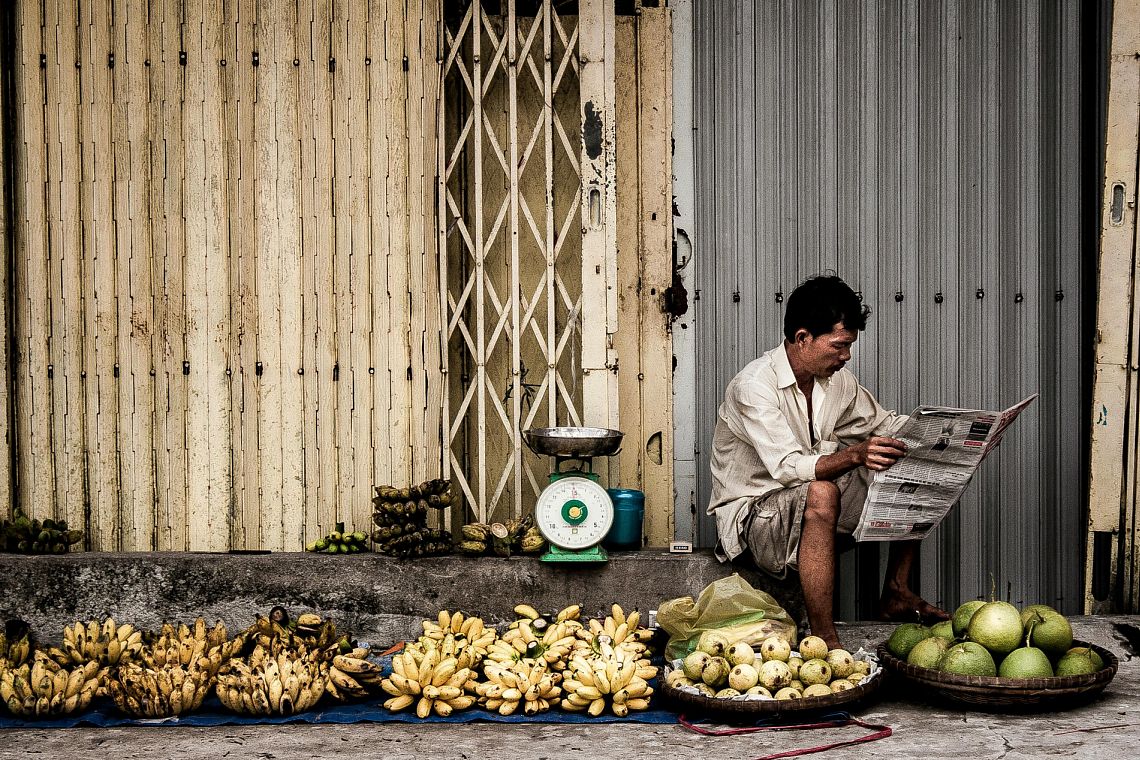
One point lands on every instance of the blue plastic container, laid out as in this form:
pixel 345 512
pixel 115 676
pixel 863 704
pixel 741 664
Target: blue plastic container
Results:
pixel 629 513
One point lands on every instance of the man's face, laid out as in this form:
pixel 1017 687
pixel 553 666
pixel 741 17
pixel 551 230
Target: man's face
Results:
pixel 824 355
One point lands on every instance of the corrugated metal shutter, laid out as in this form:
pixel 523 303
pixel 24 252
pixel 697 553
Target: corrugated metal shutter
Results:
pixel 928 153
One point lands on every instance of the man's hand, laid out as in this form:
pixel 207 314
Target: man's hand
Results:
pixel 879 452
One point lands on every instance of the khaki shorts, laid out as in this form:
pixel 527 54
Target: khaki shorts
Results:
pixel 772 528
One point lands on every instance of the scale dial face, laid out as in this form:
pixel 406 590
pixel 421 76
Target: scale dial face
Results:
pixel 574 513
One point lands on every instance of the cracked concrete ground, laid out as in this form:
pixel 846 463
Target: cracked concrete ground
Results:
pixel 1106 728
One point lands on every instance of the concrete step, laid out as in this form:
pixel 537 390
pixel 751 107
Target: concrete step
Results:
pixel 378 598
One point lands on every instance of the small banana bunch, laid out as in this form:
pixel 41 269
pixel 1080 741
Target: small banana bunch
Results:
pixel 504 539
pixel 528 637
pixel 614 678
pixel 289 683
pixel 623 631
pixel 514 645
pixel 558 642
pixel 15 651
pixel 106 643
pixel 467 639
pixel 27 536
pixel 308 629
pixel 201 647
pixel 45 688
pixel 340 541
pixel 432 684
pixel 530 684
pixel 473 539
pixel 145 691
pixel 352 676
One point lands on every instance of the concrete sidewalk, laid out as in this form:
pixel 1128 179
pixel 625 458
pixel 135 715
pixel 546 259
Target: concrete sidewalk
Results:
pixel 1107 728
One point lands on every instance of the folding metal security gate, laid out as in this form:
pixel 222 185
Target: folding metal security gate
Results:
pixel 526 215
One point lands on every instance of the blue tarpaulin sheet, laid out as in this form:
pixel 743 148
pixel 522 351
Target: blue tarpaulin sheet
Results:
pixel 212 713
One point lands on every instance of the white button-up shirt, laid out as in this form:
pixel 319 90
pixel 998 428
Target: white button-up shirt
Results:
pixel 762 444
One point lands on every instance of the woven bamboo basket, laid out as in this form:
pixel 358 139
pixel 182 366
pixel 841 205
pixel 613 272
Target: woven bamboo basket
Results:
pixel 775 708
pixel 1005 694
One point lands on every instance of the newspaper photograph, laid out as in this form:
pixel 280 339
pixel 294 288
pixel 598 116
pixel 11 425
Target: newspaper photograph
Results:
pixel 944 448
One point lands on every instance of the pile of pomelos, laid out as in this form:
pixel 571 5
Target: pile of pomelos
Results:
pixel 722 668
pixel 996 639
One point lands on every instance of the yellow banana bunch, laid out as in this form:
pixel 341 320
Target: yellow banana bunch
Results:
pixel 197 648
pixel 264 632
pixel 352 676
pixel 45 688
pixel 15 652
pixel 290 682
pixel 159 692
pixel 538 622
pixel 431 684
pixel 308 630
pixel 614 678
pixel 530 685
pixel 620 630
pixel 573 612
pixel 521 638
pixel 558 642
pixel 105 643
pixel 469 645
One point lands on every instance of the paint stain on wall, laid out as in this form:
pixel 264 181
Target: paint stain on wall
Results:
pixel 592 131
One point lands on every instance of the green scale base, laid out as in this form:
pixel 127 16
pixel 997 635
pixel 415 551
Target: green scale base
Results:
pixel 593 554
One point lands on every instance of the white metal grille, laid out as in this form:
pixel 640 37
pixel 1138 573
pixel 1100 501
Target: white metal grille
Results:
pixel 510 239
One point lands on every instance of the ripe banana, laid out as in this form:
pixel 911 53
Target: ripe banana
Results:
pixel 289 682
pixel 104 642
pixel 15 652
pixel 614 678
pixel 432 684
pixel 143 691
pixel 44 688
pixel 529 685
pixel 469 645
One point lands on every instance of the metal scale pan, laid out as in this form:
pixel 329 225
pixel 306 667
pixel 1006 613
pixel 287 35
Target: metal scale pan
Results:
pixel 573 442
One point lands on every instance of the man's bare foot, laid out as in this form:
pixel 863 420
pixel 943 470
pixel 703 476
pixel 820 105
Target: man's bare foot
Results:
pixel 908 607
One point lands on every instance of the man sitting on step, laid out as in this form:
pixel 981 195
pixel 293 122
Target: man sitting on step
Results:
pixel 795 440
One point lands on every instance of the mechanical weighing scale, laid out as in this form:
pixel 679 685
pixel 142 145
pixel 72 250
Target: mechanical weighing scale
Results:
pixel 574 513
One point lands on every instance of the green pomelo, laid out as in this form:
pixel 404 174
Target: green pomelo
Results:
pixel 928 652
pixel 1028 611
pixel 1091 654
pixel 1076 664
pixel 968 659
pixel 997 627
pixel 1053 634
pixel 944 630
pixel 961 619
pixel 1026 662
pixel 904 638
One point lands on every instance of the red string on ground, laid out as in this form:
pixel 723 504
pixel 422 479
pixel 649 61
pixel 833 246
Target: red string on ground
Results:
pixel 880 732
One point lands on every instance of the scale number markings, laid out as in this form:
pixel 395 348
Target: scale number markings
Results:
pixel 574 513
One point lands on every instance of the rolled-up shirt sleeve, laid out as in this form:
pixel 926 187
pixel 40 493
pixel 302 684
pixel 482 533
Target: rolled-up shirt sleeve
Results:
pixel 753 413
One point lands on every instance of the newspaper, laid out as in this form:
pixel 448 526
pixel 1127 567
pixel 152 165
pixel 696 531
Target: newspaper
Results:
pixel 944 448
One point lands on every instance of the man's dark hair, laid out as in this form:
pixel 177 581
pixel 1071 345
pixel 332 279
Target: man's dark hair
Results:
pixel 821 302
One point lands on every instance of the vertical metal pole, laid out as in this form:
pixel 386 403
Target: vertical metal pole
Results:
pixel 684 232
pixel 441 153
pixel 8 121
pixel 480 274
pixel 548 146
pixel 599 213
pixel 516 331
